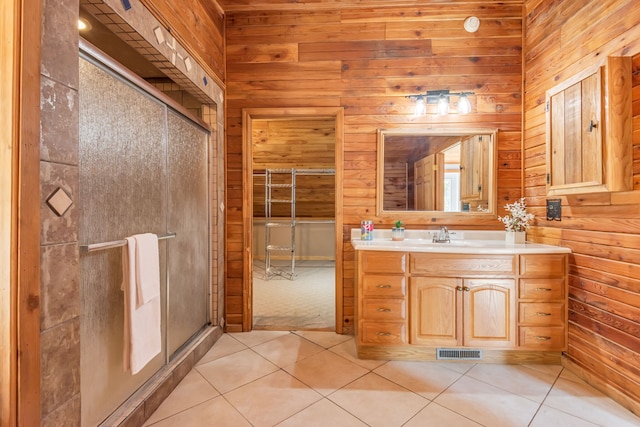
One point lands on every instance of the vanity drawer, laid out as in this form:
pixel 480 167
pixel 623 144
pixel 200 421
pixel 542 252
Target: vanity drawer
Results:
pixel 542 289
pixel 384 309
pixel 383 333
pixel 543 265
pixel 383 262
pixel 384 285
pixel 543 314
pixel 461 265
pixel 542 337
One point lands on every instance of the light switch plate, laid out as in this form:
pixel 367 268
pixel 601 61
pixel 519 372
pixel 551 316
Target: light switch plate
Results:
pixel 554 210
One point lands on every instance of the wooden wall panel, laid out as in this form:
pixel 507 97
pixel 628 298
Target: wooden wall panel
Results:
pixel 367 60
pixel 602 229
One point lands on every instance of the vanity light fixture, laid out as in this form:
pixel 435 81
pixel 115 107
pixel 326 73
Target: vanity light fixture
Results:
pixel 441 98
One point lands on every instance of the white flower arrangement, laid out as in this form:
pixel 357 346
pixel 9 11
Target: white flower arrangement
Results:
pixel 518 218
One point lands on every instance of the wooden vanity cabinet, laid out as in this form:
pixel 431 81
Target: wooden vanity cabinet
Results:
pixel 463 300
pixel 542 302
pixel 382 309
pixel 409 304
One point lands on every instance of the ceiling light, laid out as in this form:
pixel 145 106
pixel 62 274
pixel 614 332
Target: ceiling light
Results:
pixel 83 24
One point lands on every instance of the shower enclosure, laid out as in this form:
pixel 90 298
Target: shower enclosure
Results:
pixel 143 168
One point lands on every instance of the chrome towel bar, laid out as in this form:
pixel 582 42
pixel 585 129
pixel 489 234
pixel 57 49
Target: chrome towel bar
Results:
pixel 116 244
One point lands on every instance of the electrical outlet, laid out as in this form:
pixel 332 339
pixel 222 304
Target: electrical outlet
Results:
pixel 554 210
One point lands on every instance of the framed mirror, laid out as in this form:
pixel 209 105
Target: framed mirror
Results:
pixel 436 172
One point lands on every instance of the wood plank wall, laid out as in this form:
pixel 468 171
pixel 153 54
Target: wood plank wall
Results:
pixel 367 60
pixel 562 38
pixel 295 144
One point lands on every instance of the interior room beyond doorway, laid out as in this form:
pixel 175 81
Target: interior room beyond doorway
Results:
pixel 293 242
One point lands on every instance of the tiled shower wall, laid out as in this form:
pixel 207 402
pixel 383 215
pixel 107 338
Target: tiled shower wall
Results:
pixel 60 284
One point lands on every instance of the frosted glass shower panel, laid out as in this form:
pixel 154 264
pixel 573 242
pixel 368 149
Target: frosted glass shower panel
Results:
pixel 189 271
pixel 122 192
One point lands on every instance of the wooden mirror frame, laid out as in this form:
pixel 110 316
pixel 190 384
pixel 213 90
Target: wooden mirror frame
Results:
pixel 434 216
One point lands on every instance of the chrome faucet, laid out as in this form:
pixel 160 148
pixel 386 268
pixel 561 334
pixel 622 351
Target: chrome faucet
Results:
pixel 442 236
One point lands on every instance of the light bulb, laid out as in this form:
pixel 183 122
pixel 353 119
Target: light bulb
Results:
pixel 421 107
pixel 464 106
pixel 443 105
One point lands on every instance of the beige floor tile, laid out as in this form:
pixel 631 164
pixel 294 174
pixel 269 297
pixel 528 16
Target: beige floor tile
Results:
pixel 583 401
pixel 324 339
pixel 547 369
pixel 529 383
pixel 254 338
pixel 235 370
pixel 287 349
pixel 325 372
pixel 272 399
pixel 428 379
pixel 225 346
pixel 435 415
pixel 191 391
pixel 215 412
pixel 486 404
pixel 547 417
pixel 348 350
pixel 378 402
pixel 322 414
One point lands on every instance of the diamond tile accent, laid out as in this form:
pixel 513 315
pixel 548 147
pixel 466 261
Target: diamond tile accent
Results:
pixel 59 201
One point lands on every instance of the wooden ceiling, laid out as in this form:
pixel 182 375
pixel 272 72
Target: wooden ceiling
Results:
pixel 257 5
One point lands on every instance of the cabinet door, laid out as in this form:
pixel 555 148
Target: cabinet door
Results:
pixel 435 309
pixel 490 312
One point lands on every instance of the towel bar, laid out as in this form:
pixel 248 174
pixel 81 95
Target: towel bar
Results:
pixel 115 244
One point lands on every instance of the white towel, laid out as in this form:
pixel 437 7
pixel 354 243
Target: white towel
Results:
pixel 147 268
pixel 142 334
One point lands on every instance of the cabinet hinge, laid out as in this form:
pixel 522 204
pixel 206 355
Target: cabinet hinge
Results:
pixel 435 168
pixel 548 178
pixel 546 108
pixel 479 187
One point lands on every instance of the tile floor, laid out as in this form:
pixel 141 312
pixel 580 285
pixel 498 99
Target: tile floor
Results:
pixel 312 378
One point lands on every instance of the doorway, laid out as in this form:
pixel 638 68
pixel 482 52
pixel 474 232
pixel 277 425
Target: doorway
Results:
pixel 293 230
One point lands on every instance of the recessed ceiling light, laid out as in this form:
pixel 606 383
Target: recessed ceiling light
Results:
pixel 83 24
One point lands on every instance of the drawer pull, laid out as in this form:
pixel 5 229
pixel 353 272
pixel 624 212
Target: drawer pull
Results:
pixel 384 310
pixel 541 338
pixel 543 289
pixel 384 334
pixel 540 313
pixel 383 286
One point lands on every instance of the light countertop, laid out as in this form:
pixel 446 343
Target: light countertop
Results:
pixel 462 242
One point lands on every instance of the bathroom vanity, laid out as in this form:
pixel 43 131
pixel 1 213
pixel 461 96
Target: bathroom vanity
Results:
pixel 475 297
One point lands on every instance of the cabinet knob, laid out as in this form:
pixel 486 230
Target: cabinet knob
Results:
pixel 458 288
pixel 543 289
pixel 384 309
pixel 541 338
pixel 540 313
pixel 466 289
pixel 383 286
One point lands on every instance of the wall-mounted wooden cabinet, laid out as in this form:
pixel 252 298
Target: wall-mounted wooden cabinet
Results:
pixel 589 126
